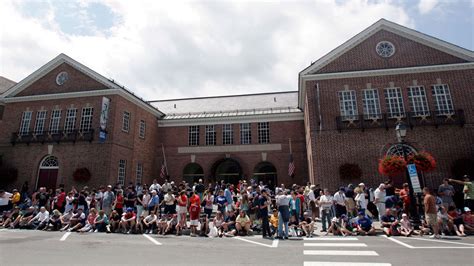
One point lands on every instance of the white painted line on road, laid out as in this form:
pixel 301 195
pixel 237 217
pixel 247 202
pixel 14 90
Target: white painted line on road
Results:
pixel 273 245
pixel 335 245
pixel 332 239
pixel 63 238
pixel 335 263
pixel 152 240
pixel 442 241
pixel 4 229
pixel 442 247
pixel 341 252
pixel 398 242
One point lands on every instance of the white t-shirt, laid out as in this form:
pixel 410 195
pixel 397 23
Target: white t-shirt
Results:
pixel 5 198
pixel 361 200
pixel 340 198
pixel 379 195
pixel 326 201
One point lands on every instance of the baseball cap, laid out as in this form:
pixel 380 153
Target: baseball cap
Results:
pixel 361 184
pixel 466 209
pixel 129 209
pixel 361 213
pixel 404 215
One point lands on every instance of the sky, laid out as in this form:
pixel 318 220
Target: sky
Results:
pixel 182 49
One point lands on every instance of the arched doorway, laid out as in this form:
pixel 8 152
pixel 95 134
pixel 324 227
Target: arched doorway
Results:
pixel 48 172
pixel 228 170
pixel 401 149
pixel 266 172
pixel 192 172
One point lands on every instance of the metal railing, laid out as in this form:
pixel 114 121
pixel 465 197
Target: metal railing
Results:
pixel 52 136
pixel 411 119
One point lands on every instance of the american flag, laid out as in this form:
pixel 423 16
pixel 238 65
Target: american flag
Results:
pixel 291 167
pixel 163 173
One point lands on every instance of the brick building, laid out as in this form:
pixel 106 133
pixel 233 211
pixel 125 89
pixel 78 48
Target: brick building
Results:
pixel 354 96
pixel 65 116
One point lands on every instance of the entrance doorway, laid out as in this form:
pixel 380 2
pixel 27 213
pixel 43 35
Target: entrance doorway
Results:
pixel 228 170
pixel 48 172
pixel 266 172
pixel 192 172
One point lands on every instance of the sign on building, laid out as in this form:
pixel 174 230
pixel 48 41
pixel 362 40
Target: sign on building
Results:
pixel 415 181
pixel 104 115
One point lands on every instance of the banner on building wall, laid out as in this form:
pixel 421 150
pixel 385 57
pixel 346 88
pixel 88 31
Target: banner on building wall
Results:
pixel 104 115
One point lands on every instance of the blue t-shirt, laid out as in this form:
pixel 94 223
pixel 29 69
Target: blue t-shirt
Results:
pixel 365 222
pixel 228 195
pixel 221 200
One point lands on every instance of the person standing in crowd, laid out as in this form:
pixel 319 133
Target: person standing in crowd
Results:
pixel 379 200
pixel 200 189
pixel 154 202
pixel 263 203
pixel 166 186
pixel 228 197
pixel 446 191
pixel 350 202
pixel 468 191
pixel 340 202
pixel 169 199
pixel 108 198
pixel 405 197
pixel 207 202
pixel 283 202
pixel 326 202
pixel 360 199
pixel 130 198
pixel 431 217
pixel 221 202
pixel 182 209
pixel 295 207
pixel 119 203
pixel 155 186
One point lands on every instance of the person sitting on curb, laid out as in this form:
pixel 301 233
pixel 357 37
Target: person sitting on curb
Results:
pixel 66 219
pixel 406 228
pixel 77 221
pixel 243 223
pixel 128 221
pixel 149 223
pixel 364 225
pixel 468 220
pixel 336 228
pixel 229 224
pixel 389 223
pixel 101 222
pixel 41 219
pixel 308 225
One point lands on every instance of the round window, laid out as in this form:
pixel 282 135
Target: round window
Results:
pixel 385 49
pixel 61 78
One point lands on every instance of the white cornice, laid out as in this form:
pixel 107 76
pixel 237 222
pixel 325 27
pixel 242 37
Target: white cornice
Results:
pixel 231 120
pixel 94 93
pixel 230 148
pixel 379 72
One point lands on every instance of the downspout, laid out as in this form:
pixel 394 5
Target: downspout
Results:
pixel 319 107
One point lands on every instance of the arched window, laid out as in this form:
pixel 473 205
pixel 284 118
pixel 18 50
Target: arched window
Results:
pixel 192 172
pixel 397 149
pixel 265 172
pixel 228 170
pixel 49 162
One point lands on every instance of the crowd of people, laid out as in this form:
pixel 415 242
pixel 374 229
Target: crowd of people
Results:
pixel 220 209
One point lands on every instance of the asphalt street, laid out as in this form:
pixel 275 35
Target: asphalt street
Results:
pixel 20 247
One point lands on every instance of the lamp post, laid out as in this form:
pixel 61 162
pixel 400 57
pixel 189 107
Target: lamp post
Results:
pixel 401 132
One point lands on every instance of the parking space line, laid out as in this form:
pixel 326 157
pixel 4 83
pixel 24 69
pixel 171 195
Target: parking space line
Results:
pixel 152 240
pixel 443 241
pixel 443 247
pixel 341 252
pixel 273 245
pixel 63 238
pixel 398 242
pixel 335 263
pixel 335 245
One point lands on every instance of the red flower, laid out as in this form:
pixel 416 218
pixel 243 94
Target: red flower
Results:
pixel 392 165
pixel 423 161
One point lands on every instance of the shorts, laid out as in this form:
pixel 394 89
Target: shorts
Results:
pixel 182 209
pixel 194 222
pixel 431 219
pixel 314 208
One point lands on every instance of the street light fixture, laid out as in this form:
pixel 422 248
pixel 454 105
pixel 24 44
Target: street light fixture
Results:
pixel 401 130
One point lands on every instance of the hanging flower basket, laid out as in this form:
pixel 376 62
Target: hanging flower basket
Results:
pixel 82 175
pixel 423 161
pixel 392 165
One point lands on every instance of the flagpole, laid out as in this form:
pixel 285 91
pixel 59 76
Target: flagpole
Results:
pixel 289 141
pixel 164 158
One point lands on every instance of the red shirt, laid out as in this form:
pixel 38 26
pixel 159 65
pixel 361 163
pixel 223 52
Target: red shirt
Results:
pixel 119 204
pixel 184 200
pixel 195 200
pixel 194 211
pixel 404 196
pixel 129 215
pixel 61 198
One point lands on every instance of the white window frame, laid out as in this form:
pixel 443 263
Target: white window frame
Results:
pixel 227 134
pixel 394 102
pixel 263 132
pixel 25 123
pixel 55 121
pixel 442 99
pixel 86 119
pixel 126 121
pixel 211 135
pixel 245 133
pixel 40 122
pixel 139 174
pixel 348 105
pixel 142 129
pixel 70 120
pixel 193 136
pixel 122 171
pixel 371 104
pixel 418 101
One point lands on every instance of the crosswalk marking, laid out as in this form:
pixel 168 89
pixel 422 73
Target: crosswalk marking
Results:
pixel 63 238
pixel 336 263
pixel 341 252
pixel 335 245
pixel 331 239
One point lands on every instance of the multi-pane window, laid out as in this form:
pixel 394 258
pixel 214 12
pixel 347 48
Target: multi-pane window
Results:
pixel 126 121
pixel 70 121
pixel 25 123
pixel 263 132
pixel 139 173
pixel 371 104
pixel 348 104
pixel 86 119
pixel 121 171
pixel 227 134
pixel 142 129
pixel 210 135
pixel 54 122
pixel 442 98
pixel 245 134
pixel 40 121
pixel 418 102
pixel 193 137
pixel 394 102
